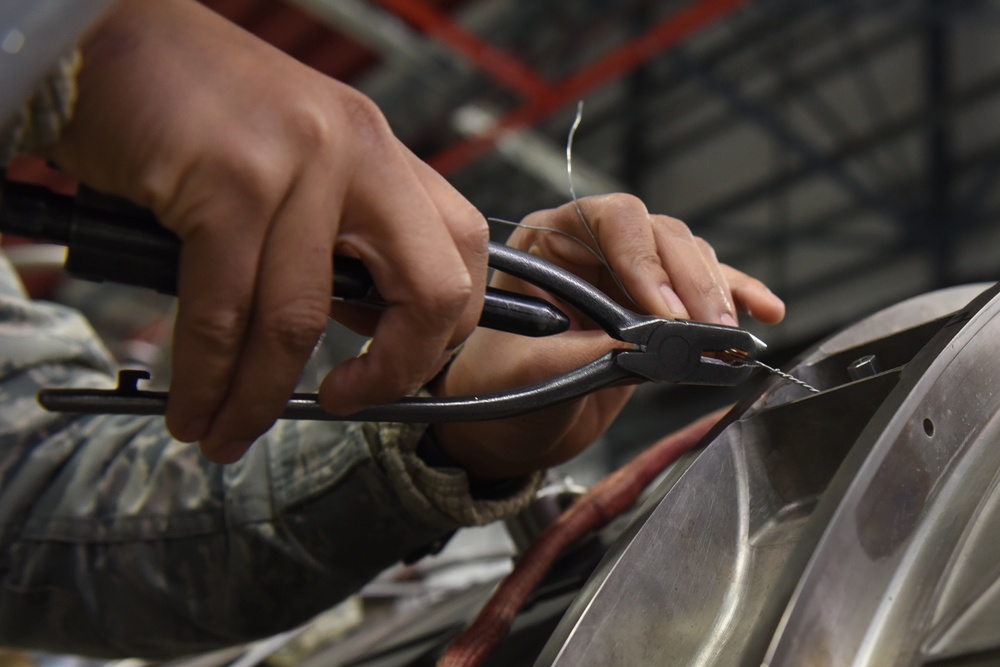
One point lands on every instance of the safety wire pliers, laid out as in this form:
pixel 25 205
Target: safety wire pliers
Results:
pixel 658 350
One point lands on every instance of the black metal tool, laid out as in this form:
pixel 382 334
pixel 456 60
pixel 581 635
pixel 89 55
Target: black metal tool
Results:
pixel 109 239
pixel 662 350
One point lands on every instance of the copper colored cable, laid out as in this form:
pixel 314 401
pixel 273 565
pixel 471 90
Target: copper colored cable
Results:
pixel 603 502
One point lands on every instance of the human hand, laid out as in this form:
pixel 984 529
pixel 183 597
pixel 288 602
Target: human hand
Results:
pixel 264 168
pixel 665 269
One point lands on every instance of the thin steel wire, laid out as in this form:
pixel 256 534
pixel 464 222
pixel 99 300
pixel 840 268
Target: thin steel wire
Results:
pixel 576 203
pixel 594 249
pixel 786 376
pixel 543 228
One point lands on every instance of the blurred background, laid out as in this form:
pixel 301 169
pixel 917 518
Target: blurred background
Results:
pixel 846 152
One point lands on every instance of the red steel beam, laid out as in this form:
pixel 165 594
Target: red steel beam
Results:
pixel 499 64
pixel 666 34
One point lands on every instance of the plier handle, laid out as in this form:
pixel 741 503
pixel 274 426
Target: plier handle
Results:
pixel 661 350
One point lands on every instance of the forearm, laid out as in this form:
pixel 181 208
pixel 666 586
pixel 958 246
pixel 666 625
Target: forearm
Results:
pixel 117 540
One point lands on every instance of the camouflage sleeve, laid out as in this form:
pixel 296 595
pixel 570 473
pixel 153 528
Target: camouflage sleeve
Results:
pixel 116 540
pixel 42 117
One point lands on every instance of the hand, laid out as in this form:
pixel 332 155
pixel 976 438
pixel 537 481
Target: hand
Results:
pixel 264 168
pixel 666 270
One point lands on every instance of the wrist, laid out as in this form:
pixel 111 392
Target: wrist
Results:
pixel 430 451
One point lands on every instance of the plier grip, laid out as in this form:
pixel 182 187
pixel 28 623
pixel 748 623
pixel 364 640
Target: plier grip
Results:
pixel 660 350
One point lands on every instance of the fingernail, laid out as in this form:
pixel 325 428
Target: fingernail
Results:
pixel 227 452
pixel 674 303
pixel 727 320
pixel 194 431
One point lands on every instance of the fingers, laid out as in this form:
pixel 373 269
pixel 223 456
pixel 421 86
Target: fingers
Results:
pixel 289 315
pixel 264 167
pixel 626 237
pixel 470 234
pixel 695 274
pixel 663 267
pixel 430 270
pixel 494 361
pixel 217 279
pixel 754 298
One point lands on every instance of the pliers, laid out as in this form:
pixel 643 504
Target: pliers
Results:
pixel 660 350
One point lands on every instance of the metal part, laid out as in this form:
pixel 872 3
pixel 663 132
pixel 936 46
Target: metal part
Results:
pixel 547 506
pixel 906 571
pixel 865 367
pixel 870 506
pixel 788 376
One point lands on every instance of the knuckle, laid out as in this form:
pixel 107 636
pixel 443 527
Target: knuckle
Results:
pixel 365 119
pixel 391 376
pixel 675 228
pixel 473 232
pixel 254 183
pixel 626 200
pixel 539 217
pixel 219 331
pixel 441 304
pixel 296 325
pixel 646 262
pixel 449 296
pixel 619 203
pixel 312 128
pixel 706 248
pixel 619 199
pixel 711 290
pixel 406 385
pixel 547 245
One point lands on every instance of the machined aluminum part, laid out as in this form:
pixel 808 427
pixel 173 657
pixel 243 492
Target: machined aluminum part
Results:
pixel 856 526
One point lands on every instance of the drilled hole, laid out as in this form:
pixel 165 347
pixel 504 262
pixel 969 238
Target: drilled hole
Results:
pixel 928 427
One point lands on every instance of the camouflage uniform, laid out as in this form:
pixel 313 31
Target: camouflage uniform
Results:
pixel 43 116
pixel 116 540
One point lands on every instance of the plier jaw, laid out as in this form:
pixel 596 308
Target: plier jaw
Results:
pixel 685 352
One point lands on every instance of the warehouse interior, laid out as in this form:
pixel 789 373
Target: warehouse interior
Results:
pixel 845 152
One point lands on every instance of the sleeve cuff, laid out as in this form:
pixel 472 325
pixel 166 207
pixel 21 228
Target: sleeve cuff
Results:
pixel 444 490
pixel 44 115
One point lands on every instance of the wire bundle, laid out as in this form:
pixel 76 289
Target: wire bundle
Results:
pixel 605 501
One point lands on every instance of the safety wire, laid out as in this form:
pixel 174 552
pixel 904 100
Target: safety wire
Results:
pixel 594 249
pixel 576 202
pixel 600 254
pixel 786 376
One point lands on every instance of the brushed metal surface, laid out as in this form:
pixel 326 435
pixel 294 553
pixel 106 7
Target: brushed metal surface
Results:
pixel 705 575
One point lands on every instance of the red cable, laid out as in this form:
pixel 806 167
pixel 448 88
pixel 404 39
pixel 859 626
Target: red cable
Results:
pixel 603 502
